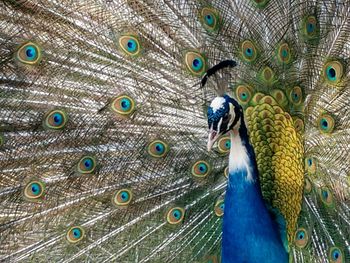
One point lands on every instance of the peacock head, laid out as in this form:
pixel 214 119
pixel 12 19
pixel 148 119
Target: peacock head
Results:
pixel 224 114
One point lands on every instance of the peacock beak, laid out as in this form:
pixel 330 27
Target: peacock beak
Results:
pixel 212 137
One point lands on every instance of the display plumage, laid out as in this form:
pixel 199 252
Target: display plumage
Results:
pixel 103 127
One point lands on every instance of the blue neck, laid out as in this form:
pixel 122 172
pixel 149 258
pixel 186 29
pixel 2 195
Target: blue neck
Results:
pixel 249 233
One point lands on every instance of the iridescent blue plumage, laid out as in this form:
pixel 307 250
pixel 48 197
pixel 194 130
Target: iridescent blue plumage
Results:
pixel 250 234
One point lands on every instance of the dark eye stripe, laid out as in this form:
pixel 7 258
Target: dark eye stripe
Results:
pixel 226 119
pixel 223 127
pixel 237 116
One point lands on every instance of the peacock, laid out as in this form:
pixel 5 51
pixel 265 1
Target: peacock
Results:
pixel 175 131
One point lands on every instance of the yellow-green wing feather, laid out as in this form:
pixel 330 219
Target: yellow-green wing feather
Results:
pixel 279 154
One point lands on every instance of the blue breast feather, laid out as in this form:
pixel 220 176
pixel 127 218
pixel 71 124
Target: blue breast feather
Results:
pixel 250 235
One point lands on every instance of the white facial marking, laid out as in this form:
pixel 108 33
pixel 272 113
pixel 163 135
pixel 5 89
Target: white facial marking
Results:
pixel 219 124
pixel 239 159
pixel 217 103
pixel 232 114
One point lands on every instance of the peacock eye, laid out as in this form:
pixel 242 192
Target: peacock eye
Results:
pixel 296 95
pixel 34 190
pixel 175 215
pixel 248 51
pixel 333 72
pixel 29 53
pixel 335 255
pixel 201 169
pixel 326 123
pixel 122 197
pixel 55 120
pixel 298 124
pixel 158 148
pixel 210 19
pixel 75 234
pixel 310 28
pixel 224 144
pixel 326 196
pixel 301 238
pixel 123 105
pixel 130 45
pixel 284 54
pixel 243 94
pixel 219 208
pixel 310 165
pixel 195 63
pixel 87 165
